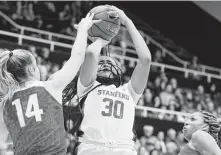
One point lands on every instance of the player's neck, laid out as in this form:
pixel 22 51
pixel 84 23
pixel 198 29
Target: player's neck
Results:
pixel 26 82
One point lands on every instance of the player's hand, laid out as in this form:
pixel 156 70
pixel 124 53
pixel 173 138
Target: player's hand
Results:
pixel 123 17
pixel 86 23
pixel 100 40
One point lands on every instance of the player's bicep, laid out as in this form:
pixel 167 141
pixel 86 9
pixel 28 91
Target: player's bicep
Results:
pixel 63 77
pixel 88 71
pixel 139 77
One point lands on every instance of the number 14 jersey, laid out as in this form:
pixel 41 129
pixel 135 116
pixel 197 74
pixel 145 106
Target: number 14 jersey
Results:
pixel 108 112
pixel 35 122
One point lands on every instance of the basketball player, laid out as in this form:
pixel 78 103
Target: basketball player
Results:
pixel 202 131
pixel 32 109
pixel 108 107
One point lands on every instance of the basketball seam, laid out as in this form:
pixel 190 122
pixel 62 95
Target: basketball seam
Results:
pixel 93 34
pixel 100 12
pixel 102 30
pixel 105 21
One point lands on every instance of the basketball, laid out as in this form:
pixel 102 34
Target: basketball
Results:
pixel 108 28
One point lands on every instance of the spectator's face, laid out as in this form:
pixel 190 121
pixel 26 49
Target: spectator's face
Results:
pixel 219 109
pixel 192 124
pixel 148 95
pixel 160 135
pixel 157 82
pixel 178 92
pixel 148 131
pixel 163 85
pixel 143 151
pixel 66 7
pixel 169 88
pixel 210 106
pixel 157 100
pixel 171 134
pixel 200 89
pixel 213 87
pixel 180 136
pixel 189 95
pixel 171 147
pixel 155 152
pixel 199 107
pixel 157 55
pixel 45 52
pixel 173 82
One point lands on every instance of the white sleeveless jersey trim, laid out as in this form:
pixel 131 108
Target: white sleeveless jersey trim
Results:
pixel 30 84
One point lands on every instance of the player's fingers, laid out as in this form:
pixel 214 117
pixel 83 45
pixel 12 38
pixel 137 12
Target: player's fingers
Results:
pixel 91 16
pixel 113 12
pixel 96 21
pixel 114 7
pixel 88 15
pixel 92 38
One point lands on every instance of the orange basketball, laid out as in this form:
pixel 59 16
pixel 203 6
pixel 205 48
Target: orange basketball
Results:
pixel 108 28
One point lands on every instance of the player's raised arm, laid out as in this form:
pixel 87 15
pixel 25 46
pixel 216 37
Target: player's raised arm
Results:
pixel 141 72
pixel 205 143
pixel 61 78
pixel 88 71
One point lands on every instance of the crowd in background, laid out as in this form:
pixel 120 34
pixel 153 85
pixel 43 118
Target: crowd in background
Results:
pixel 162 91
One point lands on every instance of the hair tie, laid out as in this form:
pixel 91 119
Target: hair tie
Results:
pixel 10 54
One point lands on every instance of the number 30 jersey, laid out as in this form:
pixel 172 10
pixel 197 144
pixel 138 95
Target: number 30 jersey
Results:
pixel 35 122
pixel 108 111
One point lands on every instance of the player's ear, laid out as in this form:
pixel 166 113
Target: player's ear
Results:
pixel 30 69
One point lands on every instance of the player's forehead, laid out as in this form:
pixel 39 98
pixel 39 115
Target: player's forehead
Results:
pixel 196 115
pixel 106 59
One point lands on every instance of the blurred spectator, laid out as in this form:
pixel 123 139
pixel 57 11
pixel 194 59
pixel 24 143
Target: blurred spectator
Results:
pixel 70 30
pixel 45 53
pixel 157 102
pixel 173 83
pixel 18 14
pixel 143 151
pixel 172 149
pixel 166 96
pixel 141 101
pixel 171 135
pixel 194 65
pixel 148 134
pixel 148 98
pixel 161 138
pixel 179 96
pixel 155 152
pixel 180 140
pixel 157 85
pixel 158 56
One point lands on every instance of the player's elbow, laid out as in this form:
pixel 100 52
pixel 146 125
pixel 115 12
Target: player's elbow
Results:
pixel 146 60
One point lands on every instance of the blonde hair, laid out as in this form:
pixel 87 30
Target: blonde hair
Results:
pixel 12 70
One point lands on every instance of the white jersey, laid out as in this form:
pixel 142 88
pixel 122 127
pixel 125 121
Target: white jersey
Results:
pixel 108 112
